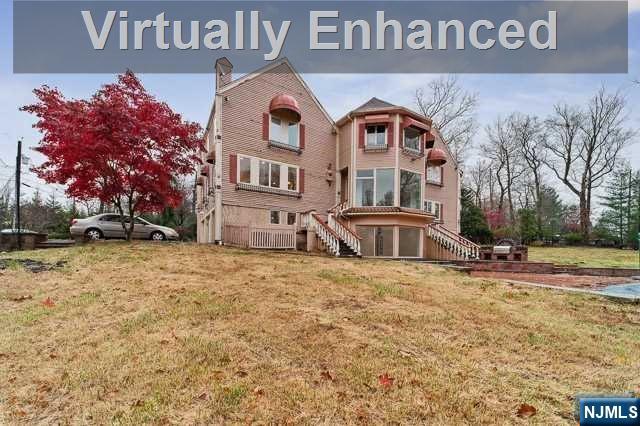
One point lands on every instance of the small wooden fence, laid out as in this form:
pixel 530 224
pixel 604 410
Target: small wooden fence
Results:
pixel 261 237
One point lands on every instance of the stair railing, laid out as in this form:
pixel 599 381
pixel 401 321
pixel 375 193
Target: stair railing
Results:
pixel 453 242
pixel 327 235
pixel 347 235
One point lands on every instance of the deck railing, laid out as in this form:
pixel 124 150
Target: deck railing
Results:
pixel 347 235
pixel 452 242
pixel 327 235
pixel 272 237
pixel 260 237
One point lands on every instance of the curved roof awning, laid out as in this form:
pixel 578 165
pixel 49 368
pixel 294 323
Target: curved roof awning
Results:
pixel 436 157
pixel 410 122
pixel 285 106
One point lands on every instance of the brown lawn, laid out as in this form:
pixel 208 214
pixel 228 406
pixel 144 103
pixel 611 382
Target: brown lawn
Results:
pixel 180 333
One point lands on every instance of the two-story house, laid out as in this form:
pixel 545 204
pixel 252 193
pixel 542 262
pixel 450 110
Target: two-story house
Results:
pixel 279 173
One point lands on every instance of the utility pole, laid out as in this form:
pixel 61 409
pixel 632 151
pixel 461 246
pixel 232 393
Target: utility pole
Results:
pixel 18 185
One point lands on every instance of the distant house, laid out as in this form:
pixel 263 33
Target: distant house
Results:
pixel 280 173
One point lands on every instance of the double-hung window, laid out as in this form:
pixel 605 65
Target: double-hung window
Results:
pixel 375 187
pixel 269 174
pixel 410 189
pixel 412 139
pixel 434 174
pixel 284 132
pixel 376 136
pixel 435 208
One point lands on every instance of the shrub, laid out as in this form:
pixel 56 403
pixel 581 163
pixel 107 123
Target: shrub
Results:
pixel 573 238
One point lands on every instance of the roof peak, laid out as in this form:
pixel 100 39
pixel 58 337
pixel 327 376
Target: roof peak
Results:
pixel 374 103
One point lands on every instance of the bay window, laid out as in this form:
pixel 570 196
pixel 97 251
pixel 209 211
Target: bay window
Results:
pixel 412 139
pixel 270 174
pixel 409 242
pixel 410 189
pixel 284 132
pixel 378 182
pixel 364 188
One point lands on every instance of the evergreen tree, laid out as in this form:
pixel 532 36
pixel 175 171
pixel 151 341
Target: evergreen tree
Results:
pixel 473 223
pixel 552 212
pixel 528 226
pixel 620 205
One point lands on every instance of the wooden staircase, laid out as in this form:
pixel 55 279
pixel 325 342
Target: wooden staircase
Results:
pixel 444 245
pixel 339 240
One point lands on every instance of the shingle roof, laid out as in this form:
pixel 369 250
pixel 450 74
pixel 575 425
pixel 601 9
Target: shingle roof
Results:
pixel 374 103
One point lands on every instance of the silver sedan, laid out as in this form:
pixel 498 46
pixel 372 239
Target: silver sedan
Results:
pixel 108 225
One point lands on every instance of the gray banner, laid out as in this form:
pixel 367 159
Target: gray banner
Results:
pixel 321 37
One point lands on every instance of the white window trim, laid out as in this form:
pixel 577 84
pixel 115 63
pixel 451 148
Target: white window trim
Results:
pixel 288 123
pixel 375 184
pixel 418 150
pixel 366 135
pixel 420 186
pixel 435 182
pixel 255 177
pixel 433 210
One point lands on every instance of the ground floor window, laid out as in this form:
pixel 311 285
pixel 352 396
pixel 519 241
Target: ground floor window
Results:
pixel 274 217
pixel 409 242
pixel 291 218
pixel 435 208
pixel 376 240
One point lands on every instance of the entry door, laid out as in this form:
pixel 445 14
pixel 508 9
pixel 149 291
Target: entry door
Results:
pixel 384 241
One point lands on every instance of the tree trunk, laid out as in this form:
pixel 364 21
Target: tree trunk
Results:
pixel 585 218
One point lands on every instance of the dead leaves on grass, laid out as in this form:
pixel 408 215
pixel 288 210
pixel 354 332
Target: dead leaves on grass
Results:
pixel 386 381
pixel 21 298
pixel 526 410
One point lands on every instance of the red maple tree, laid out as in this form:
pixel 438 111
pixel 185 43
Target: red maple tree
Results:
pixel 122 146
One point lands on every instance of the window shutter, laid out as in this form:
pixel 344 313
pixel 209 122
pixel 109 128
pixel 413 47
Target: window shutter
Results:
pixel 233 168
pixel 265 126
pixel 423 142
pixel 390 138
pixel 301 183
pixel 302 136
pixel 362 130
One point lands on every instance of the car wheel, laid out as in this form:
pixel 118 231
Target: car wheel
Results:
pixel 157 236
pixel 93 234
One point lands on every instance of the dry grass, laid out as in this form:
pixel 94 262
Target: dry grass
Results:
pixel 171 333
pixel 585 256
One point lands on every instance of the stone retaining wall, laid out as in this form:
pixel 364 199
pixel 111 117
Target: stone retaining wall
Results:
pixel 545 268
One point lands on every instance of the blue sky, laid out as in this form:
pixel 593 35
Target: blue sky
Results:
pixel 191 94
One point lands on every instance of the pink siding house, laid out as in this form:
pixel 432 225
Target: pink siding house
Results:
pixel 279 173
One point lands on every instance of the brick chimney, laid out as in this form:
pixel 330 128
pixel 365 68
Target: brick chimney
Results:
pixel 224 72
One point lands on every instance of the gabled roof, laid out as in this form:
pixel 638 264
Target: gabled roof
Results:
pixel 285 61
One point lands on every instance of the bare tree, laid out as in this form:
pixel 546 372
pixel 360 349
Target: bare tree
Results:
pixel 505 155
pixel 529 135
pixel 452 110
pixel 584 146
pixel 478 179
